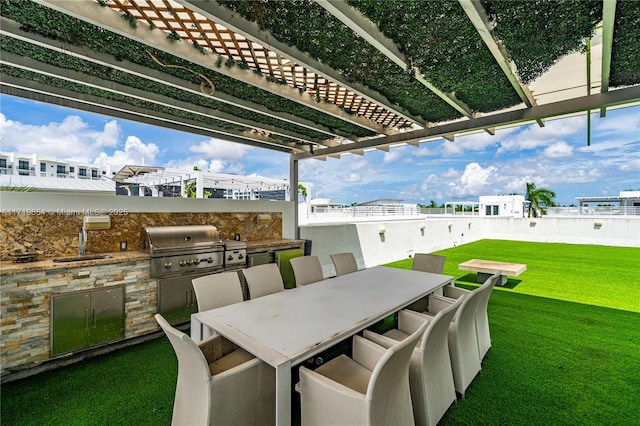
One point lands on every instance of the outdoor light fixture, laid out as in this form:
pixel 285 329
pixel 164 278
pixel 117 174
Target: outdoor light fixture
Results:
pixel 97 222
pixel 264 219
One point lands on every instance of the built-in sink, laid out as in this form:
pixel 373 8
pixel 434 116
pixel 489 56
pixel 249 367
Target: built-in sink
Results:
pixel 81 258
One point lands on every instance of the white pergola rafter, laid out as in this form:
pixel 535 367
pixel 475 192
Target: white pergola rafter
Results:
pixel 76 77
pixel 608 21
pixel 41 92
pixel 478 17
pixel 12 29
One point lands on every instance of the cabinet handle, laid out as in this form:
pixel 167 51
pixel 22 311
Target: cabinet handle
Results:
pixel 86 318
pixel 186 297
pixel 94 318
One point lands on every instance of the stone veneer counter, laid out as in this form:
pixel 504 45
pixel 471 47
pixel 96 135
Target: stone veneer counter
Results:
pixel 48 264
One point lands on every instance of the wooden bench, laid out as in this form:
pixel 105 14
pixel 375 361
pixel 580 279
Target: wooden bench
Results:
pixel 486 268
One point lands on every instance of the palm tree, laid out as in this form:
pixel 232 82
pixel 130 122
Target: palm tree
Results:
pixel 539 198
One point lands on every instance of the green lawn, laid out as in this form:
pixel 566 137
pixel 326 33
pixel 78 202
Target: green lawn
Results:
pixel 566 351
pixel 595 275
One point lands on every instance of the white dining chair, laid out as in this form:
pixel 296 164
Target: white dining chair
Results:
pixel 463 337
pixel 219 383
pixel 482 316
pixel 371 388
pixel 216 290
pixel 428 262
pixel 263 280
pixel 430 373
pixel 345 263
pixel 307 270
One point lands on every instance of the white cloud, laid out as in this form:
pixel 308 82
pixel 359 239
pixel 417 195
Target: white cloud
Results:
pixel 221 150
pixel 534 136
pixel 69 139
pixel 135 152
pixel 394 154
pixel 474 180
pixel 632 165
pixel 558 150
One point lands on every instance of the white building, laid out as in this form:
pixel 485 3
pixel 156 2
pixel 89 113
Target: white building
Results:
pixel 42 166
pixel 501 205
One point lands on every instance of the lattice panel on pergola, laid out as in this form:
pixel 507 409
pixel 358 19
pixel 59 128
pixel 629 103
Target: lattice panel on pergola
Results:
pixel 170 16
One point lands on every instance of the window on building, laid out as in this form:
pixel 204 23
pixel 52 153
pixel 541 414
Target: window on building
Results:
pixel 72 169
pixel 94 173
pixel 61 170
pixel 43 167
pixel 492 210
pixel 3 163
pixel 82 172
pixel 23 168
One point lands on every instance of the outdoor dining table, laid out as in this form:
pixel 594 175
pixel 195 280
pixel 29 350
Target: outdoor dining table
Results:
pixel 284 329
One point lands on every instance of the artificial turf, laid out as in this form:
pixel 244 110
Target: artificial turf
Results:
pixel 565 351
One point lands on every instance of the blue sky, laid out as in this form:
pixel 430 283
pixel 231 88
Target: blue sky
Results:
pixel 555 156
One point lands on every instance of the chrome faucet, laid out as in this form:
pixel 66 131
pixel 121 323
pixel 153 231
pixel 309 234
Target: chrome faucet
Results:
pixel 82 241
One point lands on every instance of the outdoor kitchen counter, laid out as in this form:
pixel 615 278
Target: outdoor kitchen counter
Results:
pixel 273 243
pixel 8 267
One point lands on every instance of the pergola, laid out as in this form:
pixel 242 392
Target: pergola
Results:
pixel 320 79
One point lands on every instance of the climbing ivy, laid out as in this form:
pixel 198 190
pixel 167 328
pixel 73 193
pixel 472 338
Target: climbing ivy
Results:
pixel 537 33
pixel 625 67
pixel 448 51
pixel 311 29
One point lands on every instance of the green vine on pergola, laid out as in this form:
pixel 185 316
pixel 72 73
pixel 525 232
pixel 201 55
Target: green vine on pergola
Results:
pixel 58 26
pixel 308 27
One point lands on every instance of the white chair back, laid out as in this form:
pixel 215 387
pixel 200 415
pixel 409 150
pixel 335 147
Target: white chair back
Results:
pixel 482 317
pixel 389 383
pixel 307 270
pixel 433 389
pixel 216 290
pixel 428 262
pixel 193 390
pixel 345 263
pixel 263 279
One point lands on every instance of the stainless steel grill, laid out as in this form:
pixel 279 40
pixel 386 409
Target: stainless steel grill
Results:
pixel 183 249
pixel 178 255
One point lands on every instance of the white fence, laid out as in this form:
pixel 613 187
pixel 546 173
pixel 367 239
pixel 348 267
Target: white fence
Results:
pixel 366 211
pixel 594 211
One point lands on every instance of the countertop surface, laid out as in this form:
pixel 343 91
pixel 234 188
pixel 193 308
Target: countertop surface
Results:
pixel 8 267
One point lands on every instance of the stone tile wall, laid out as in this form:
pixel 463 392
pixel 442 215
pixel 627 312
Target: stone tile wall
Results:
pixel 50 235
pixel 25 302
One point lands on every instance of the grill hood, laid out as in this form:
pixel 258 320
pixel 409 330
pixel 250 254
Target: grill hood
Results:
pixel 180 239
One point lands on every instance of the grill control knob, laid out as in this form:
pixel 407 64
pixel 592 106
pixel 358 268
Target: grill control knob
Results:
pixel 240 256
pixel 230 257
pixel 196 261
pixel 167 265
pixel 182 263
pixel 189 261
pixel 210 259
